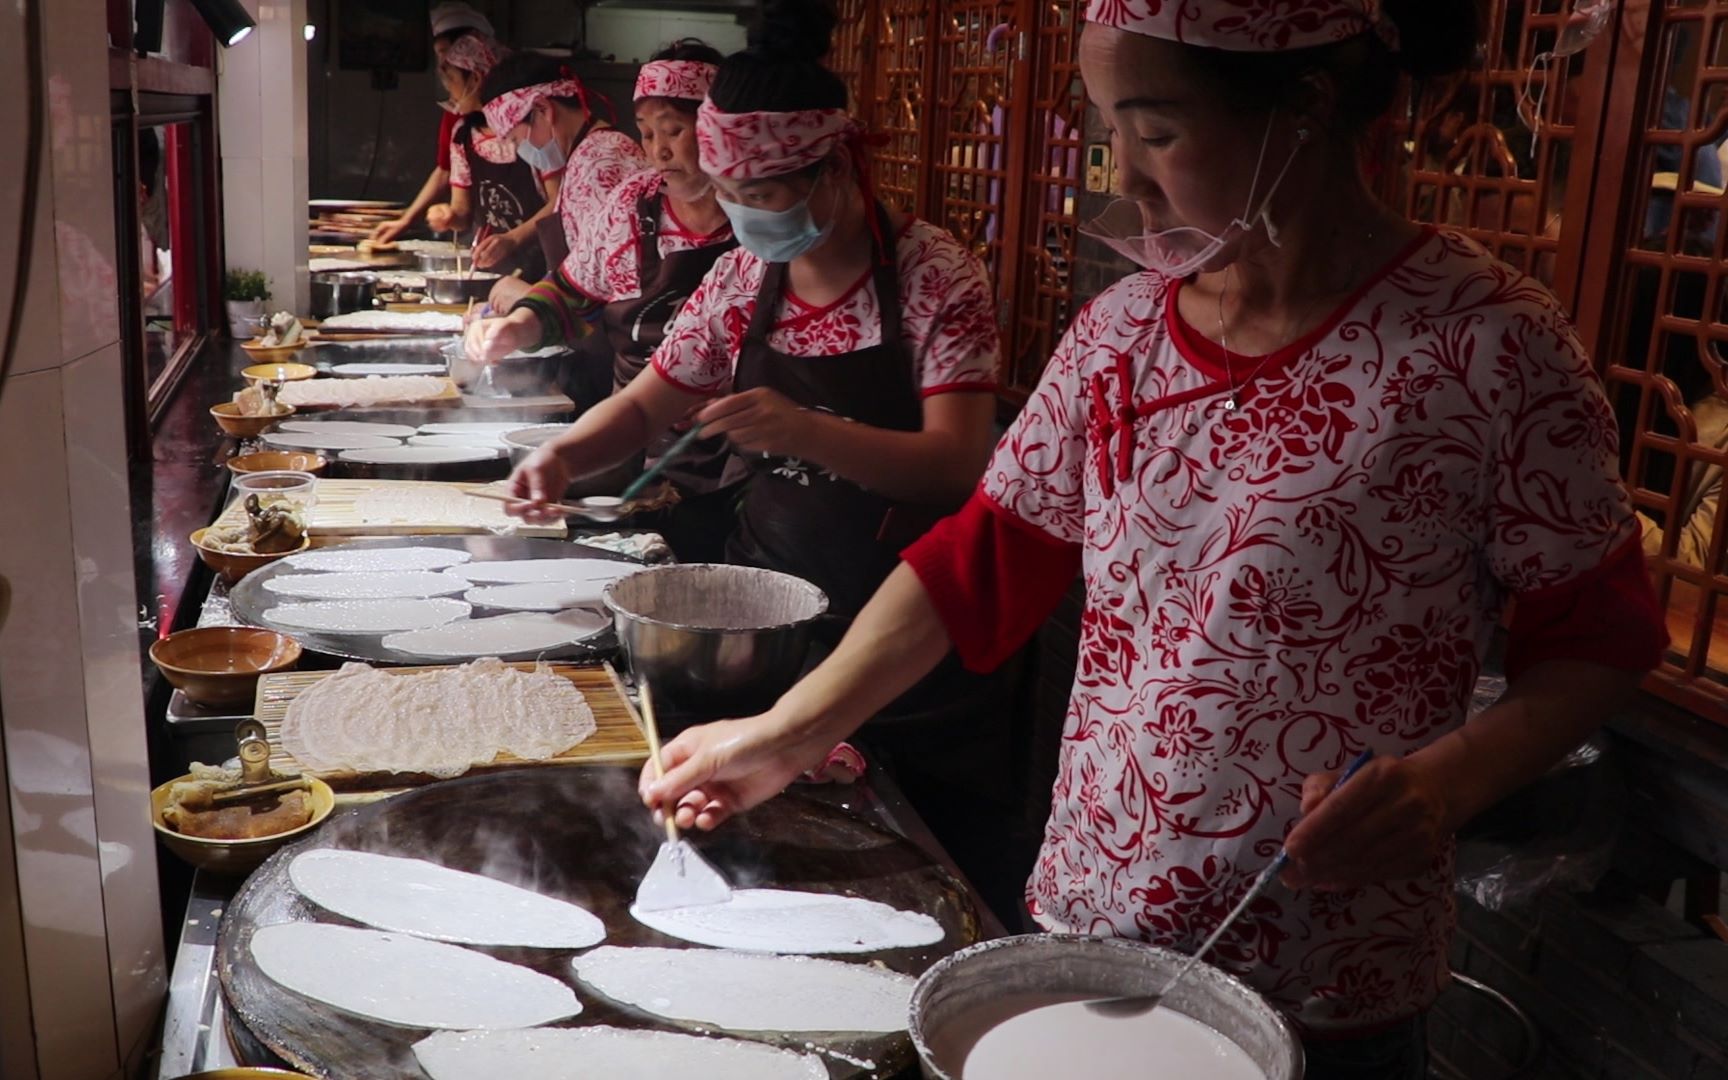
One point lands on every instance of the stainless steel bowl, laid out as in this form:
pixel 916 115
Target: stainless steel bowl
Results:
pixel 947 1001
pixel 443 259
pixel 715 640
pixel 338 293
pixel 525 440
pixel 453 288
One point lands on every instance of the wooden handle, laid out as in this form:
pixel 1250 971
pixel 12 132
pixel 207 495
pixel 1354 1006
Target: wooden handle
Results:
pixel 652 730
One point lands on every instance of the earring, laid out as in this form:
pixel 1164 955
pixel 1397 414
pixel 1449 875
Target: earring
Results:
pixel 1302 135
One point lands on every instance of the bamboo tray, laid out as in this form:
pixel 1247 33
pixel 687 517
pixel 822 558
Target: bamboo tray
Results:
pixel 617 739
pixel 337 513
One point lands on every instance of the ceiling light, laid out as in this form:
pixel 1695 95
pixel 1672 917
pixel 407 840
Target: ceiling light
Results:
pixel 227 20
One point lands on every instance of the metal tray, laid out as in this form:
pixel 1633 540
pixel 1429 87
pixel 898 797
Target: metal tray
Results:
pixel 579 835
pixel 249 600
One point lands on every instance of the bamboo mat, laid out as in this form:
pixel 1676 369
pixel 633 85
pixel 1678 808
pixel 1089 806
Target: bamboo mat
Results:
pixel 337 513
pixel 617 739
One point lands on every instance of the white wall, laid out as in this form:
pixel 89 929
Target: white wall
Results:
pixel 635 34
pixel 261 98
pixel 82 911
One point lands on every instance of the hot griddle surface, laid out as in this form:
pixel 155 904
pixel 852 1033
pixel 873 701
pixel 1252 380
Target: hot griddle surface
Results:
pixel 579 835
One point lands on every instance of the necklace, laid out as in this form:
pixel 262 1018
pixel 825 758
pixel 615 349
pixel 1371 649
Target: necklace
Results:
pixel 1233 398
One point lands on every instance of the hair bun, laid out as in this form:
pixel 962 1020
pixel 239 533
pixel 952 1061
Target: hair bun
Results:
pixel 793 30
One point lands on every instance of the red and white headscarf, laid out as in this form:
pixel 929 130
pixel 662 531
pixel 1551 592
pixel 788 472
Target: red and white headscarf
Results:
pixel 511 107
pixel 687 80
pixel 1246 25
pixel 476 53
pixel 754 145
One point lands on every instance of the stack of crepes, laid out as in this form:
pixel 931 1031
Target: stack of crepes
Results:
pixel 440 723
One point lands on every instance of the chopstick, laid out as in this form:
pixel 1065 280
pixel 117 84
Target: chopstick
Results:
pixel 653 471
pixel 566 508
pixel 650 729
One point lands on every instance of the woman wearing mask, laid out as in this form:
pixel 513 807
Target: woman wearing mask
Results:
pixel 1302 463
pixel 644 252
pixel 849 353
pixel 490 187
pixel 451 22
pixel 539 106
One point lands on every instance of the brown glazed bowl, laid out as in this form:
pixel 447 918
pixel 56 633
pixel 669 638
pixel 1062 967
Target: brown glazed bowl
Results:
pixel 220 665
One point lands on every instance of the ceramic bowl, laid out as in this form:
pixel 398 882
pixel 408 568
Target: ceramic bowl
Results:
pixel 235 857
pixel 220 665
pixel 228 418
pixel 277 461
pixel 279 372
pixel 233 566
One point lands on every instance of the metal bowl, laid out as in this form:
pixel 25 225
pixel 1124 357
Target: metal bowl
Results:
pixel 443 259
pixel 454 288
pixel 948 999
pixel 525 441
pixel 715 640
pixel 342 292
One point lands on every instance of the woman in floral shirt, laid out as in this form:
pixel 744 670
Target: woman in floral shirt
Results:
pixel 1302 465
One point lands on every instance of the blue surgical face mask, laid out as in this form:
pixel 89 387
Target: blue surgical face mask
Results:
pixel 776 236
pixel 542 159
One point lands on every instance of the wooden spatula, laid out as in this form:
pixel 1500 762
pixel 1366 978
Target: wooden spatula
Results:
pixel 679 876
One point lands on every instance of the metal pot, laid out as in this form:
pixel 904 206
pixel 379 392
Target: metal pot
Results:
pixel 526 440
pixel 715 640
pixel 443 260
pixel 948 999
pixel 453 288
pixel 339 293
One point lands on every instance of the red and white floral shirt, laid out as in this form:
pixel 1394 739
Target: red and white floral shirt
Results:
pixel 1273 589
pixel 605 158
pixel 606 266
pixel 488 145
pixel 937 275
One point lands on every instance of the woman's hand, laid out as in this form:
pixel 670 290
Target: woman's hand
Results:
pixel 717 770
pixel 759 421
pixel 1387 823
pixel 440 217
pixel 488 341
pixel 542 478
pixel 495 250
pixel 389 230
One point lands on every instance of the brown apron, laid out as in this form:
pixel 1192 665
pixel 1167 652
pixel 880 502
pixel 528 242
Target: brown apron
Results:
pixel 504 196
pixel 797 517
pixel 637 326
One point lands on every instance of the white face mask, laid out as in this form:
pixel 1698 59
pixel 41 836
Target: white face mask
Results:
pixel 1185 249
pixel 777 236
pixel 542 159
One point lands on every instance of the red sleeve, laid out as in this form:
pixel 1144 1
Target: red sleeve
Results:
pixel 446 131
pixel 993 578
pixel 1607 616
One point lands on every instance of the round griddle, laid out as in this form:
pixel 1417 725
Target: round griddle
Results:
pixel 250 600
pixel 578 834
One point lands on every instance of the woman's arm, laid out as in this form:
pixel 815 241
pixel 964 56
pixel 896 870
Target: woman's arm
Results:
pixel 940 463
pixel 429 193
pixel 717 770
pixel 453 216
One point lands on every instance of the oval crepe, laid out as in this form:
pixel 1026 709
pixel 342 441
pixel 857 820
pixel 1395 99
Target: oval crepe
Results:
pixel 376 560
pixel 782 921
pixel 347 427
pixel 588 1053
pixel 420 455
pixel 537 595
pixel 328 440
pixel 501 635
pixel 405 584
pixel 523 571
pixel 367 616
pixel 417 897
pixel 741 991
pixel 408 981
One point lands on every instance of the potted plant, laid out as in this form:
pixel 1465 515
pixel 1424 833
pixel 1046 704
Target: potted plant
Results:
pixel 246 291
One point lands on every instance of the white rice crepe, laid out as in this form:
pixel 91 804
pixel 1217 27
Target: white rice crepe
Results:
pixel 405 584
pixel 325 264
pixel 471 427
pixel 587 1053
pixel 501 635
pixel 405 980
pixel 757 992
pixel 416 897
pixel 781 921
pixel 346 427
pixel 538 595
pixel 419 455
pixel 356 371
pixel 377 560
pixel 432 322
pixel 440 722
pixel 518 571
pixel 473 438
pixel 367 616
pixel 327 440
pixel 374 390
